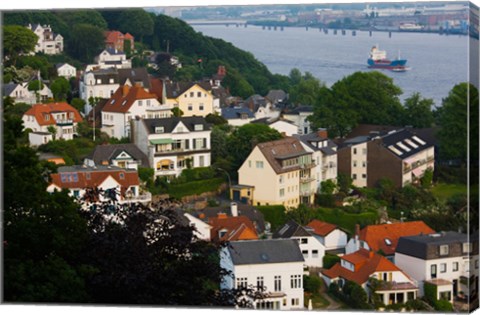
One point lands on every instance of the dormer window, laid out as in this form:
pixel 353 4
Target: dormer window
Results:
pixel 222 233
pixel 466 248
pixel 443 250
pixel 198 127
pixel 159 129
pixel 388 242
pixel 124 102
pixel 112 102
pixel 122 175
pixel 46 117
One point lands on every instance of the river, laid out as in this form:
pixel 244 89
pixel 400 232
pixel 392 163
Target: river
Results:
pixel 437 62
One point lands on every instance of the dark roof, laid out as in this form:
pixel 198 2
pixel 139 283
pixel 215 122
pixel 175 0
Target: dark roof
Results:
pixel 104 75
pixel 169 124
pixel 275 151
pixel 290 229
pixel 404 142
pixel 9 88
pixel 276 96
pixel 301 109
pixel 236 112
pixel 175 89
pixel 368 129
pixel 246 210
pixel 107 152
pixel 425 246
pixel 311 138
pixel 112 51
pixel 265 252
pixel 135 75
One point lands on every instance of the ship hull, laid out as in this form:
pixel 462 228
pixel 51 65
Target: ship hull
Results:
pixel 386 64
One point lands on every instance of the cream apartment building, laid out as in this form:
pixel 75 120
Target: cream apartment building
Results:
pixel 281 172
pixel 193 99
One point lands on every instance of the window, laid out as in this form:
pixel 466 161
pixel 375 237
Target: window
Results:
pixel 315 253
pixel 476 264
pixel 354 163
pixel 467 248
pixel 305 253
pixel 260 283
pixel 76 193
pixel 280 179
pixel 148 102
pixel 443 250
pixel 198 127
pixel 259 164
pixel 296 302
pixel 364 151
pixel 140 103
pixel 201 161
pixel 364 175
pixel 364 164
pixel 277 283
pixel 192 94
pixel 433 271
pixel 282 192
pixel 241 282
pixel 295 281
pixel 354 150
pixel 304 241
pixel 159 129
pixel 198 143
pixel 443 268
pixel 249 163
pixel 354 176
pixel 190 107
pixel 455 266
pixel 201 107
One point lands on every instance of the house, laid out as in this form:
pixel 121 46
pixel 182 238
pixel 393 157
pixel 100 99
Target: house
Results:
pixel 127 103
pixel 276 266
pixel 116 40
pixel 66 70
pixel 111 58
pixel 299 117
pixel 238 115
pixel 280 172
pixel 173 144
pixel 234 228
pixel 399 155
pixel 445 260
pixel 78 178
pixel 384 237
pixel 283 126
pixel 48 42
pixel 103 83
pixel 261 107
pixel 40 118
pixel 202 229
pixel 312 249
pixel 333 238
pixel 125 155
pixel 395 285
pixel 236 209
pixel 278 98
pixel 193 99
pixel 324 153
pixel 19 93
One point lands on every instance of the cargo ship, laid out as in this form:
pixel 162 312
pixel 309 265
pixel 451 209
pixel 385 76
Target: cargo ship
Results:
pixel 378 60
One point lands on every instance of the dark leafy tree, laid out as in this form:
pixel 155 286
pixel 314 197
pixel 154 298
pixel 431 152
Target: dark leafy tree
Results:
pixel 17 40
pixel 60 88
pixel 418 111
pixel 92 17
pixel 136 22
pixel 344 182
pixel 164 66
pixel 86 42
pixel 78 103
pixel 302 214
pixel 215 119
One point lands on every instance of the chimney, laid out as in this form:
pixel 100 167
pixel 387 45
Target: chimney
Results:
pixel 221 215
pixel 234 209
pixel 322 133
pixel 357 230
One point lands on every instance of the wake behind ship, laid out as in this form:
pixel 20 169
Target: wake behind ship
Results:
pixel 378 60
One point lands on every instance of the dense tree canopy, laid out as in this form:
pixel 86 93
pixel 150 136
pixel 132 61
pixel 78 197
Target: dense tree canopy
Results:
pixel 17 40
pixel 86 42
pixel 136 22
pixel 418 111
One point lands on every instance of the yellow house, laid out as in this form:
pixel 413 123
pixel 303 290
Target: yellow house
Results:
pixel 193 99
pixel 280 172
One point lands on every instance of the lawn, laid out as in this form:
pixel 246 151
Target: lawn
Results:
pixel 444 191
pixel 274 214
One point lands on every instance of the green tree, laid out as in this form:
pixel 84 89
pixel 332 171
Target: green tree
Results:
pixel 17 40
pixel 215 119
pixel 305 90
pixel 60 88
pixel 86 42
pixel 418 111
pixel 53 131
pixel 327 187
pixel 136 22
pixel 458 120
pixel 426 180
pixel 92 17
pixel 78 103
pixel 344 182
pixel 302 214
pixel 177 112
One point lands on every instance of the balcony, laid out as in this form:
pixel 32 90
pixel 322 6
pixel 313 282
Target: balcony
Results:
pixel 307 165
pixel 64 122
pixel 306 179
pixel 144 198
pixel 409 167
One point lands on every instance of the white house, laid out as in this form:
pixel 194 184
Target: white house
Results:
pixel 446 260
pixel 127 103
pixel 48 42
pixel 202 229
pixel 299 117
pixel 283 126
pixel 66 70
pixel 324 153
pixel 41 117
pixel 19 92
pixel 329 235
pixel 312 249
pixel 110 58
pixel 78 178
pixel 395 287
pixel 173 144
pixel 124 155
pixel 238 115
pixel 274 266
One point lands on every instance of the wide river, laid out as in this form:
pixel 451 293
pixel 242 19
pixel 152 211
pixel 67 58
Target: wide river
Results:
pixel 437 62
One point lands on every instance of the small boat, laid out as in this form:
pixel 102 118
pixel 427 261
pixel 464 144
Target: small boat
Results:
pixel 378 60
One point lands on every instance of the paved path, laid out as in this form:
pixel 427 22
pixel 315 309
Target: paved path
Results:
pixel 334 305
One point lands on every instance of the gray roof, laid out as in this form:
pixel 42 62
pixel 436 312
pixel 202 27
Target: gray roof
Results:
pixel 301 109
pixel 265 252
pixel 112 51
pixel 276 96
pixel 98 168
pixel 311 138
pixel 135 75
pixel 393 138
pixel 291 229
pixel 108 152
pixel 236 112
pixel 9 88
pixel 169 124
pixel 175 89
pixel 425 246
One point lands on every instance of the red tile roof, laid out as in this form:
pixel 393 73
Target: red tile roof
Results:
pixel 366 263
pixel 156 87
pixel 96 178
pixel 113 36
pixel 375 235
pixel 129 36
pixel 124 97
pixel 321 228
pixel 42 112
pixel 238 228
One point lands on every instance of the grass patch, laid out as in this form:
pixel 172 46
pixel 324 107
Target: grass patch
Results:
pixel 190 188
pixel 318 301
pixel 444 191
pixel 346 220
pixel 274 214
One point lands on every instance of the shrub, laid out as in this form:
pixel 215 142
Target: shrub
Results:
pixel 443 305
pixel 325 200
pixel 311 284
pixel 329 260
